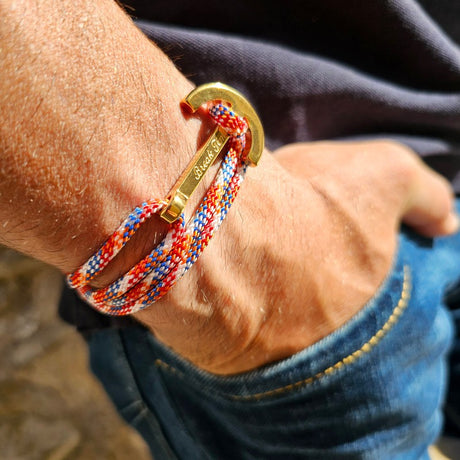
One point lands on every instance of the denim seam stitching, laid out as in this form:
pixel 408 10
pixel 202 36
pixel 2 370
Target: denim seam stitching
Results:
pixel 348 360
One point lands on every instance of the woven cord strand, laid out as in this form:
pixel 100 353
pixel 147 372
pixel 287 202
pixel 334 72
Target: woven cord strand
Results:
pixel 152 277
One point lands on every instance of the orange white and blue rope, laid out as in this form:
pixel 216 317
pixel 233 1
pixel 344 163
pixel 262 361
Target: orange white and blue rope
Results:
pixel 153 276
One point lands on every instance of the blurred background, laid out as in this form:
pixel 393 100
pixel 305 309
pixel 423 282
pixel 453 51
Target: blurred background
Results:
pixel 51 407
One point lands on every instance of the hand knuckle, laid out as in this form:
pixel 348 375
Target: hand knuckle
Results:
pixel 401 160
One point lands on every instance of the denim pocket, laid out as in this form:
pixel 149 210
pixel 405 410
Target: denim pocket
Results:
pixel 372 389
pixel 335 353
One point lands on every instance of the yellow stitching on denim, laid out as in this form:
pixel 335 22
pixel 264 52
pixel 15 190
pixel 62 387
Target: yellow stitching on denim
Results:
pixel 366 348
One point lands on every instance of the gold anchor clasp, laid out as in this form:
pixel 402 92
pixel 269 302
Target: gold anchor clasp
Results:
pixel 207 154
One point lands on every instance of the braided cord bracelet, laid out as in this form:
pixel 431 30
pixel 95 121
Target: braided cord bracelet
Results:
pixel 155 274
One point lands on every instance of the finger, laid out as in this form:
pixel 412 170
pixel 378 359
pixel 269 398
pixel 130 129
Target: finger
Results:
pixel 429 208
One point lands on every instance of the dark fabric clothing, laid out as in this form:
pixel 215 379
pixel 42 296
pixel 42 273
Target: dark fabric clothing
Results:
pixel 393 40
pixel 321 69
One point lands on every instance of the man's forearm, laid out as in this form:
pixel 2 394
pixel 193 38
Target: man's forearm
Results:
pixel 91 126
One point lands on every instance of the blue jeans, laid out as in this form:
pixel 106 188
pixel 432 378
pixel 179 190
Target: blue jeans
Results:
pixel 374 389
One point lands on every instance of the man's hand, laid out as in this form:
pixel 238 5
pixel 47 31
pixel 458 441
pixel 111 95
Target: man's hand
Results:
pixel 91 127
pixel 307 243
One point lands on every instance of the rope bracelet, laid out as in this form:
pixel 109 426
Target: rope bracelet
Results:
pixel 153 276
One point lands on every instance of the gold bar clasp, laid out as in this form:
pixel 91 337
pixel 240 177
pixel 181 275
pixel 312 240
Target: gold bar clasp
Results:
pixel 206 155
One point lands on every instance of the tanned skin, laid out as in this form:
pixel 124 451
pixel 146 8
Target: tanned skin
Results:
pixel 91 126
